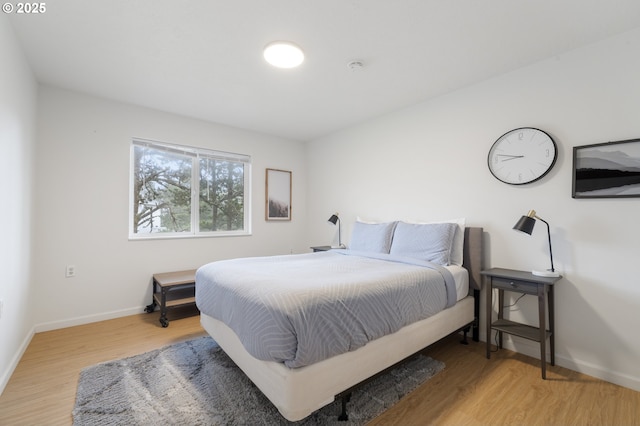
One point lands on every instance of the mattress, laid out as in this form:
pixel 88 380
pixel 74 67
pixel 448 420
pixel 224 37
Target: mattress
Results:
pixel 301 309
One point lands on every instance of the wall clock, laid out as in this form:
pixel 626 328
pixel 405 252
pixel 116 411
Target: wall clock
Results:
pixel 522 156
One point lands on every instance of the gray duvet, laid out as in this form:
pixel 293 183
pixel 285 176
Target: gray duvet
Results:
pixel 301 309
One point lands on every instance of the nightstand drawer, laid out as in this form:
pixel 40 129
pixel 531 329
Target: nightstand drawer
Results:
pixel 514 285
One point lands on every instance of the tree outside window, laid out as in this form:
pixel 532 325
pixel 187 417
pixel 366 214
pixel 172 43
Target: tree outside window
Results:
pixel 184 191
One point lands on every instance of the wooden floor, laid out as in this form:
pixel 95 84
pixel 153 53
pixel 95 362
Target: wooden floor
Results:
pixel 507 389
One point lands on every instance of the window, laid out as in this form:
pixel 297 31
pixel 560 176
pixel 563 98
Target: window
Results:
pixel 183 191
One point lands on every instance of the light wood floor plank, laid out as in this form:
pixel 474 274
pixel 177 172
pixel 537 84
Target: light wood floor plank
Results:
pixel 508 390
pixel 43 387
pixel 505 390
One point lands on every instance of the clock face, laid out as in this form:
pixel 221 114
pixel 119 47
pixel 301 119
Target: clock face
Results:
pixel 522 156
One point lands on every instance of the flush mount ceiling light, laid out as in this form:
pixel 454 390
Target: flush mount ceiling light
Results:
pixel 283 54
pixel 355 65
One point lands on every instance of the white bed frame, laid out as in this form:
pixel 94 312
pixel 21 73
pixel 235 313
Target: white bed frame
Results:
pixel 298 392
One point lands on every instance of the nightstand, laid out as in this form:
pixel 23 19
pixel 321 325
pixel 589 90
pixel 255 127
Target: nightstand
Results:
pixel 527 283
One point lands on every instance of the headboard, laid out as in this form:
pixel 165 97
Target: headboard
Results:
pixel 472 256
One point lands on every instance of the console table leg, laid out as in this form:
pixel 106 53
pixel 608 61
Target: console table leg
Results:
pixel 164 322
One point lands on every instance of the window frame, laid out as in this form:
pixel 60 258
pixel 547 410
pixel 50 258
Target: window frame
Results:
pixel 196 154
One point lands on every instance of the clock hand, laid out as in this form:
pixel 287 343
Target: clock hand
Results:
pixel 511 157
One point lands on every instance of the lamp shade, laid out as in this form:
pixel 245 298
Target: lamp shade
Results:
pixel 525 224
pixel 334 219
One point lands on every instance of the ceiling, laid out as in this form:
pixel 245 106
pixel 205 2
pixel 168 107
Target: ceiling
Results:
pixel 203 58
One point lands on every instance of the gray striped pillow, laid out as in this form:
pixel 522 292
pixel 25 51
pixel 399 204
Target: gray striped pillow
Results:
pixel 431 242
pixel 372 237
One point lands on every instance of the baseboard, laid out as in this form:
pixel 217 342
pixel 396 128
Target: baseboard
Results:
pixel 532 349
pixel 6 375
pixel 589 369
pixel 54 325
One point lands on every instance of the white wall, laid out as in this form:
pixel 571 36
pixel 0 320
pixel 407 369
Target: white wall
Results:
pixel 17 127
pixel 430 162
pixel 82 206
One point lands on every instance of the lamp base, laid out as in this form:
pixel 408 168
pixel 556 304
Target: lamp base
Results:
pixel 341 246
pixel 546 273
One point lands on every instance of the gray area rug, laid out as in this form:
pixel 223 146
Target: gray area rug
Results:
pixel 196 383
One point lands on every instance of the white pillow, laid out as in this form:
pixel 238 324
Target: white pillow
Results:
pixel 369 221
pixel 431 242
pixel 372 237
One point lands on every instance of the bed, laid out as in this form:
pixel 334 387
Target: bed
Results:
pixel 300 380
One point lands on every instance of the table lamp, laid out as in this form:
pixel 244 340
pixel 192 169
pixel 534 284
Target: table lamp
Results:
pixel 333 220
pixel 526 224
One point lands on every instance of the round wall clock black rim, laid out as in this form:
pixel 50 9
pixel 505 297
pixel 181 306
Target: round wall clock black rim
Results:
pixel 546 172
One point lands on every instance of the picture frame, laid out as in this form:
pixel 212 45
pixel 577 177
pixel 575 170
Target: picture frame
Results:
pixel 278 195
pixel 607 170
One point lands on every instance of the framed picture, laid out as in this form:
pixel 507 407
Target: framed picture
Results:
pixel 278 195
pixel 607 170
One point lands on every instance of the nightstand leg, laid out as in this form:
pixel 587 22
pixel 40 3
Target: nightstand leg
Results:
pixel 543 329
pixel 500 314
pixel 489 313
pixel 552 328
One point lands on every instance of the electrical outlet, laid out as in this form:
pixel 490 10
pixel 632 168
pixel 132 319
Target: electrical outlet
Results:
pixel 70 271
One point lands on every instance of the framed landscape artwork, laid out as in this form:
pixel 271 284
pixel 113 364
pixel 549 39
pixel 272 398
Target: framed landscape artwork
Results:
pixel 607 170
pixel 278 195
